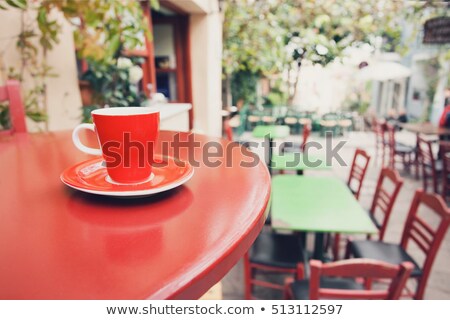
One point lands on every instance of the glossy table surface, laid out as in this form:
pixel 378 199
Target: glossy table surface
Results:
pixel 59 243
pixel 425 128
pixel 274 132
pixel 317 204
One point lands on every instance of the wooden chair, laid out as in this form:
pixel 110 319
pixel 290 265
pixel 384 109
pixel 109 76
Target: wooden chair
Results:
pixel 398 149
pixel 271 253
pixel 298 147
pixel 355 181
pixel 304 121
pixel 379 128
pixel 358 171
pixel 416 230
pixel 228 130
pixel 337 280
pixel 430 166
pixel 384 199
pixel 11 93
pixel 444 148
pixel 382 204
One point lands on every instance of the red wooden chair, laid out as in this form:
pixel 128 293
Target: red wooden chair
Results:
pixel 298 147
pixel 416 230
pixel 336 280
pixel 306 133
pixel 358 171
pixel 430 166
pixel 384 199
pixel 398 149
pixel 271 253
pixel 228 130
pixel 445 175
pixel 355 181
pixel 379 128
pixel 382 204
pixel 11 93
pixel 294 147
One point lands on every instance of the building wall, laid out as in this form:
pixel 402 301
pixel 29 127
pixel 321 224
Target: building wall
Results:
pixel 64 100
pixel 206 61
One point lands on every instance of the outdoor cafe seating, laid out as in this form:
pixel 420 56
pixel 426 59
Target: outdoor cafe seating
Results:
pixel 224 150
pixel 417 231
pixel 387 189
pixel 342 280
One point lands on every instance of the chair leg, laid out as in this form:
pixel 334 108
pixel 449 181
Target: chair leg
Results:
pixel 420 290
pixel 247 277
pixel 337 241
pixel 435 183
pixel 287 293
pixel 347 248
pixel 424 178
pixel 416 162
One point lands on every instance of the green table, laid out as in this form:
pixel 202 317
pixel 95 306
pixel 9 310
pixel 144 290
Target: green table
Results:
pixel 274 132
pixel 298 161
pixel 317 204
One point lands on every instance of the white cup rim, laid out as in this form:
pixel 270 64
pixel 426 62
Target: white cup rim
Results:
pixel 125 111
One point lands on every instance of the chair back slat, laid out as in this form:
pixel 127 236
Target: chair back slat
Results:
pixel 425 152
pixel 358 171
pixel 306 133
pixel 358 268
pixel 383 199
pixel 427 162
pixel 391 135
pixel 422 243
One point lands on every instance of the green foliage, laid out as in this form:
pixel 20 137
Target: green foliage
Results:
pixel 5 121
pixel 102 29
pixel 277 96
pixel 243 86
pixel 86 112
pixel 253 37
pixel 111 86
pixel 268 37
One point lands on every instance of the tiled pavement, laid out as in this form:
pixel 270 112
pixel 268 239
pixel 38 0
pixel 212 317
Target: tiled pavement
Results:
pixel 439 281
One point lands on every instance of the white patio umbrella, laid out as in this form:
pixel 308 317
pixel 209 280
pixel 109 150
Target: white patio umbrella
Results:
pixel 383 71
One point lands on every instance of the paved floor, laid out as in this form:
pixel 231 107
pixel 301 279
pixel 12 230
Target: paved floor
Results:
pixel 439 282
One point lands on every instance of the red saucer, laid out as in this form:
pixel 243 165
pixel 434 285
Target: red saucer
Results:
pixel 91 176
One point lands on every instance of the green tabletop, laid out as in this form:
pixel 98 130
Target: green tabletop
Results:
pixel 317 204
pixel 299 161
pixel 274 131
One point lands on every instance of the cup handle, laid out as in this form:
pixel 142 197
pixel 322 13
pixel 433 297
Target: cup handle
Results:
pixel 77 142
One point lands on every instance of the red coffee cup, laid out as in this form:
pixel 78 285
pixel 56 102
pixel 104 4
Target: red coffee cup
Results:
pixel 127 136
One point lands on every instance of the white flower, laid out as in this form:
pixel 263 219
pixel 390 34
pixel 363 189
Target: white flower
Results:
pixel 135 73
pixel 124 63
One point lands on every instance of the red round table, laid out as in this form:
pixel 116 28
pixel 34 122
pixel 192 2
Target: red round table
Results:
pixel 59 243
